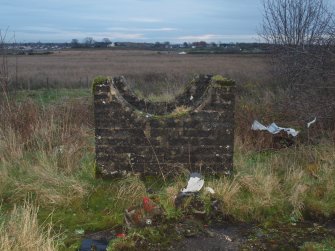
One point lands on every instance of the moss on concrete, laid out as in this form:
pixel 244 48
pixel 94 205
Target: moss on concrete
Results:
pixel 99 80
pixel 177 113
pixel 218 81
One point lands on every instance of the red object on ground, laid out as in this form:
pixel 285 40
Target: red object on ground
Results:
pixel 148 204
pixel 121 235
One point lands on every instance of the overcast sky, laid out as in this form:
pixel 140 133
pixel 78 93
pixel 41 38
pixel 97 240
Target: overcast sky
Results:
pixel 132 20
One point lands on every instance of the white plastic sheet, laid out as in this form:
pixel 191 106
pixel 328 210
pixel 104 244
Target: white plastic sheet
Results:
pixel 194 184
pixel 273 129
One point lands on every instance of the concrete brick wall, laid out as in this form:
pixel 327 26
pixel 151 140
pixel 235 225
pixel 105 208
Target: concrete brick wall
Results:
pixel 195 132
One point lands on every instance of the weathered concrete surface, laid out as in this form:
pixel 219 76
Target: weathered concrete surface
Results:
pixel 195 132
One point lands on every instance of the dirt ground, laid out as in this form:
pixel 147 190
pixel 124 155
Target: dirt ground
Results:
pixel 228 238
pixel 234 237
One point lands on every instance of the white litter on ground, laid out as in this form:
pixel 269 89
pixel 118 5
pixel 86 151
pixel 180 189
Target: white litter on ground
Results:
pixel 311 122
pixel 273 128
pixel 194 184
pixel 209 190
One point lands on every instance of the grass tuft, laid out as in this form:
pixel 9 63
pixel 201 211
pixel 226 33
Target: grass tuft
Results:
pixel 277 186
pixel 20 231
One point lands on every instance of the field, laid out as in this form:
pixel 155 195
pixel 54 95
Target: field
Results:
pixel 78 68
pixel 50 198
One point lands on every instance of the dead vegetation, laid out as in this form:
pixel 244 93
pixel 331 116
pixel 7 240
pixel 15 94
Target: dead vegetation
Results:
pixel 40 151
pixel 282 184
pixel 20 231
pixel 143 68
pixel 47 152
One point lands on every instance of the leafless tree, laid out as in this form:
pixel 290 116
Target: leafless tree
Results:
pixel 301 36
pixel 106 40
pixel 75 43
pixel 89 41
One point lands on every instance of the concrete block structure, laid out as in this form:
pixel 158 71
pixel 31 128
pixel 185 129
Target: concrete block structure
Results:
pixel 194 132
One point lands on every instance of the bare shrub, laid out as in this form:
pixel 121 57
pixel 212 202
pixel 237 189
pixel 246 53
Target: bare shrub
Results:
pixel 301 35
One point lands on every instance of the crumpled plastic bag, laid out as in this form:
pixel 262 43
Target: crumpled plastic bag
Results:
pixel 194 184
pixel 273 128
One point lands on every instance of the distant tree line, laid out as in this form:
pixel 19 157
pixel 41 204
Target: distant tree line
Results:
pixel 89 42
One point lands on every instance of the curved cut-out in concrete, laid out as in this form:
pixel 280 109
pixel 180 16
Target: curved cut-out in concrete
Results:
pixel 194 132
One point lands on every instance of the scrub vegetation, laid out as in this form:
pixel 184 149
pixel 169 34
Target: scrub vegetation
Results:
pixel 50 197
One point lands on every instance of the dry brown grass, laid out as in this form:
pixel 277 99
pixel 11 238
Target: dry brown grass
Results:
pixel 228 190
pixel 42 146
pixel 77 67
pixel 22 232
pixel 280 184
pixel 41 149
pixel 130 191
pixel 164 75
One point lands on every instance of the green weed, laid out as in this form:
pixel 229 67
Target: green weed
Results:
pixel 49 96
